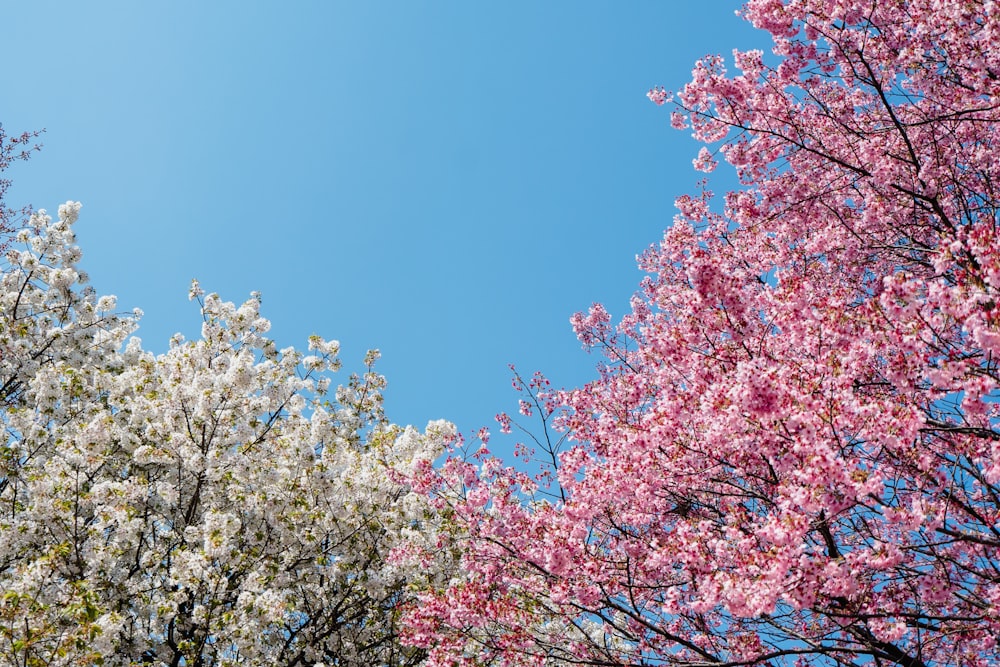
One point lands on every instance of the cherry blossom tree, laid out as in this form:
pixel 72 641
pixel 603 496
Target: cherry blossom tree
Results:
pixel 219 504
pixel 792 453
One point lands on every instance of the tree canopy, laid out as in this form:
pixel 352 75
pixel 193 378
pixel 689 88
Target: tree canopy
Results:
pixel 219 504
pixel 792 453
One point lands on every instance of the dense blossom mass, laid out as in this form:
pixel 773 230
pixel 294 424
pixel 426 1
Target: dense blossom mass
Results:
pixel 219 504
pixel 792 454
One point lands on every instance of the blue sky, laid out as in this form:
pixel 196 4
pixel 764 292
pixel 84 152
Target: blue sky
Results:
pixel 446 181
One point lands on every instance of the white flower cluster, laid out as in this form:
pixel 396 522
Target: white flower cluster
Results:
pixel 211 505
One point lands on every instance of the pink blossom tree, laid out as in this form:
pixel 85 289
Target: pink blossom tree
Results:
pixel 792 453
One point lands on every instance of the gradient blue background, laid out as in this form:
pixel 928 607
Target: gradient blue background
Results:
pixel 446 181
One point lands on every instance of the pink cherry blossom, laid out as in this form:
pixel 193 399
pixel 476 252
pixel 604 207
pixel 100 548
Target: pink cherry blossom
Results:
pixel 792 453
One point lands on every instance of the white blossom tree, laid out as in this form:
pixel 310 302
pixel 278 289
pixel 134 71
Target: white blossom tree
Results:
pixel 219 504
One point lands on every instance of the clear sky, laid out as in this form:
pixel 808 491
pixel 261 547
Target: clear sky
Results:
pixel 446 181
